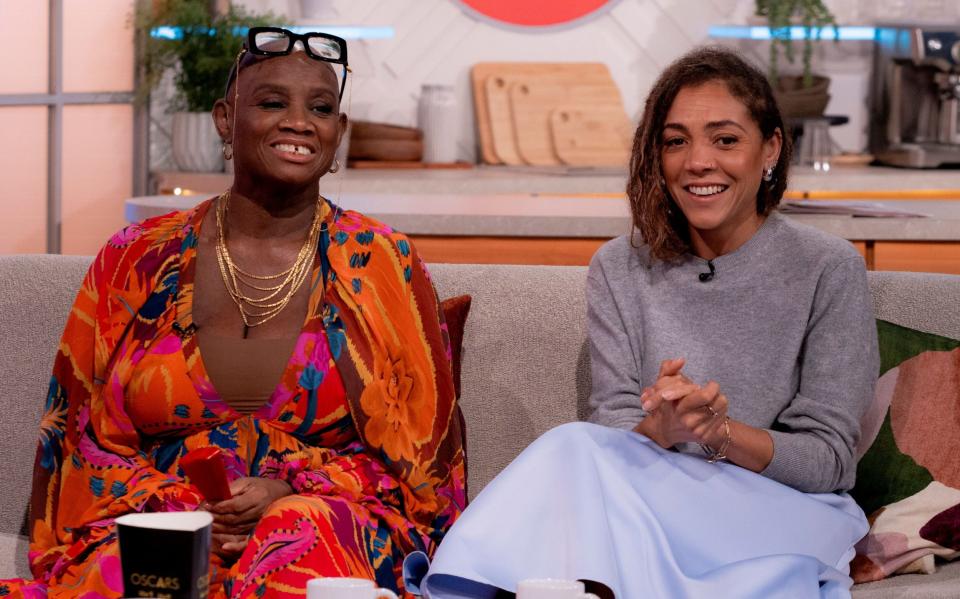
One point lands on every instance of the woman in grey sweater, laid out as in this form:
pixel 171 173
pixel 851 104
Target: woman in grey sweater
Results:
pixel 733 353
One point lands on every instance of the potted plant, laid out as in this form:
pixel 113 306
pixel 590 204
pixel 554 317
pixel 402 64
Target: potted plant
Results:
pixel 798 95
pixel 200 49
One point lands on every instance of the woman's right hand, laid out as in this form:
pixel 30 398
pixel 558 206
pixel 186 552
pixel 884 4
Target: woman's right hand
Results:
pixel 229 546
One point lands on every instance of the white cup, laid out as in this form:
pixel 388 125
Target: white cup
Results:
pixel 346 588
pixel 552 588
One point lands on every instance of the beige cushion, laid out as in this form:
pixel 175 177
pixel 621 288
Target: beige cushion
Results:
pixel 36 293
pixel 942 584
pixel 13 556
pixel 525 364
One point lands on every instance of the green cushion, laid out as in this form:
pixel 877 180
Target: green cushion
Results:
pixel 907 479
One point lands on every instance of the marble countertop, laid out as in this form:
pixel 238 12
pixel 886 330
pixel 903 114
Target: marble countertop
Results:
pixel 552 215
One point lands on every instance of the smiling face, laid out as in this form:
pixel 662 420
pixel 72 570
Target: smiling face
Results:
pixel 288 122
pixel 713 156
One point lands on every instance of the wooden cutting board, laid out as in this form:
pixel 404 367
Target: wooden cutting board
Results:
pixel 591 137
pixel 567 73
pixel 501 120
pixel 532 101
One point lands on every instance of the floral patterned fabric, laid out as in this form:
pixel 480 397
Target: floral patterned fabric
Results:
pixel 908 477
pixel 363 423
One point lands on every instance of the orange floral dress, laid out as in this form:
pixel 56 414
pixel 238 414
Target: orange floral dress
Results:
pixel 363 424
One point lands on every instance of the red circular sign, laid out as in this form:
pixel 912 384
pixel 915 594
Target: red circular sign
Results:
pixel 535 13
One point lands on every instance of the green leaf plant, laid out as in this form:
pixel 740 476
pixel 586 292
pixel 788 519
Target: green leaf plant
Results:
pixel 203 54
pixel 812 15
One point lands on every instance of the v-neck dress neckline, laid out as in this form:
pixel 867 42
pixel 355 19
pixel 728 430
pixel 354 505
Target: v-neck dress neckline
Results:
pixel 197 368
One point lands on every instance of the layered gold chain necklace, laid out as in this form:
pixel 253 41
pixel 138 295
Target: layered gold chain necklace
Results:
pixel 261 297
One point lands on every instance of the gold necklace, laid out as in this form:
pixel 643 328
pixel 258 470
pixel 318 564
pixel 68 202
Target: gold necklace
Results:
pixel 256 309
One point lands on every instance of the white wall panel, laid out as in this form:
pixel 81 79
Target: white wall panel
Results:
pixel 24 29
pixel 23 172
pixel 437 42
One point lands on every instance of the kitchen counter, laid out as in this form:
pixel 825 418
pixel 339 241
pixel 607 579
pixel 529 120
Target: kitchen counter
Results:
pixel 508 215
pixel 550 180
pixel 568 229
pixel 543 215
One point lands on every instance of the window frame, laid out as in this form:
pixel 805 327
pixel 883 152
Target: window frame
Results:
pixel 56 100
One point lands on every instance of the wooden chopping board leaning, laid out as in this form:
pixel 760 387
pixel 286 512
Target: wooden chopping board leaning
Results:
pixel 599 137
pixel 501 120
pixel 516 103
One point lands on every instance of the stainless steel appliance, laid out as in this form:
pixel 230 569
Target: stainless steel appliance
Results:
pixel 916 96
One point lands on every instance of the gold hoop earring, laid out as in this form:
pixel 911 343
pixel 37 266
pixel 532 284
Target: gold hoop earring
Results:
pixel 227 150
pixel 336 165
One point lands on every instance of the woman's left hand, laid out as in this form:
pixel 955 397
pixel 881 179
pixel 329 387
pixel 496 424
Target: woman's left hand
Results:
pixel 702 413
pixel 683 411
pixel 251 498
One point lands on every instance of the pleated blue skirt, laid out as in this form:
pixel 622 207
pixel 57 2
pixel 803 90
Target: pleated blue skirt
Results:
pixel 591 502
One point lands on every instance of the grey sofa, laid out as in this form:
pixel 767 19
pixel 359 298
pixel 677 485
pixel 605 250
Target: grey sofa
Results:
pixel 525 370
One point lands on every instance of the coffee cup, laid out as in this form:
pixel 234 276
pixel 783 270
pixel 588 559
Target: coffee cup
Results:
pixel 552 588
pixel 346 588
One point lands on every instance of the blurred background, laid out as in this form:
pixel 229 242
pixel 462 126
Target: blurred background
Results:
pixel 83 132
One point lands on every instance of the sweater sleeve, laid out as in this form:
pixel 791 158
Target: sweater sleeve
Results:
pixel 615 373
pixel 815 436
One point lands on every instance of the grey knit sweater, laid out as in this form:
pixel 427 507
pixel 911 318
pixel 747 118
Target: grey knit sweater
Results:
pixel 785 327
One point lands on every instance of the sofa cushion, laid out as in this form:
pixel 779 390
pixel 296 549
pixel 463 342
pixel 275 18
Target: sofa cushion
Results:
pixel 525 361
pixel 943 584
pixel 455 311
pixel 908 479
pixel 35 296
pixel 13 557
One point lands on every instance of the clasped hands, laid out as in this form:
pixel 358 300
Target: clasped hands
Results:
pixel 235 518
pixel 680 411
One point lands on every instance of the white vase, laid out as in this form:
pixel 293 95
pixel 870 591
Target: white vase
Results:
pixel 437 117
pixel 196 144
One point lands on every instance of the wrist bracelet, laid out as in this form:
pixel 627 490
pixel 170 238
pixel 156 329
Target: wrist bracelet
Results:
pixel 716 455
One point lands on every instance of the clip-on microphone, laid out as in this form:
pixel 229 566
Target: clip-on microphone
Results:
pixel 707 276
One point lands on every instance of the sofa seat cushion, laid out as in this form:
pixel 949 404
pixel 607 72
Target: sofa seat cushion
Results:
pixel 908 478
pixel 943 583
pixel 13 556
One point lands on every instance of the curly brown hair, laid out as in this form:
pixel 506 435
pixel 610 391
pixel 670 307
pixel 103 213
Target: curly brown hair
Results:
pixel 655 214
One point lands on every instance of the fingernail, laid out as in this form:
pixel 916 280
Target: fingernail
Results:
pixel 647 405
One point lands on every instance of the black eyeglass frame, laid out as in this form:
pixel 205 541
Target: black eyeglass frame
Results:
pixel 250 46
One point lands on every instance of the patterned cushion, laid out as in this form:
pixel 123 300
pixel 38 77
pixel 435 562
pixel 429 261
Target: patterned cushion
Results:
pixel 908 479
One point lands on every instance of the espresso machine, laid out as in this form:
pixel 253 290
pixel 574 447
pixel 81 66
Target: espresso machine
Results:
pixel 915 119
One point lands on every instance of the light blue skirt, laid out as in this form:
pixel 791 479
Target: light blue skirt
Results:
pixel 591 502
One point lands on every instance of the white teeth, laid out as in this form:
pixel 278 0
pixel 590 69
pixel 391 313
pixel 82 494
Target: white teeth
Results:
pixel 293 149
pixel 706 190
